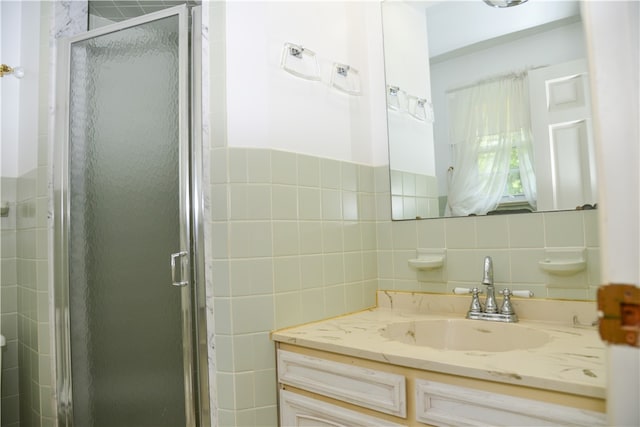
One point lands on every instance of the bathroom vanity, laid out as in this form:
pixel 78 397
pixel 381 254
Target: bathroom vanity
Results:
pixel 415 360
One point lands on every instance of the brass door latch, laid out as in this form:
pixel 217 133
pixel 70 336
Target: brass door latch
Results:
pixel 619 312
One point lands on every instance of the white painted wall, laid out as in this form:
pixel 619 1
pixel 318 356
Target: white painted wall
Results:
pixel 268 107
pixel 20 47
pixel 407 66
pixel 11 12
pixel 29 87
pixel 555 46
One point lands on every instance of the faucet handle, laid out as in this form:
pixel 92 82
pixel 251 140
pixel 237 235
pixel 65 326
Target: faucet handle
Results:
pixel 506 307
pixel 476 305
pixel 522 294
pixel 464 291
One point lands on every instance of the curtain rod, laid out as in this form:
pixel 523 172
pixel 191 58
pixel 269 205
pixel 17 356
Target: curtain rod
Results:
pixel 512 74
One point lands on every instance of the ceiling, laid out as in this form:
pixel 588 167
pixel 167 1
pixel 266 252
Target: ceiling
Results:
pixel 455 25
pixel 119 10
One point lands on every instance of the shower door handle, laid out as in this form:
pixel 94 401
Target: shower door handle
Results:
pixel 174 257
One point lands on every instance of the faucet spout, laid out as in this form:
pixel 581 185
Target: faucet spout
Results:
pixel 490 304
pixel 487 278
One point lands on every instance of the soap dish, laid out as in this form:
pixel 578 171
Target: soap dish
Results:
pixel 563 261
pixel 562 267
pixel 428 259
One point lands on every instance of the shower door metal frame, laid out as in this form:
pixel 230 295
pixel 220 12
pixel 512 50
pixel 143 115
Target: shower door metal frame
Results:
pixel 193 309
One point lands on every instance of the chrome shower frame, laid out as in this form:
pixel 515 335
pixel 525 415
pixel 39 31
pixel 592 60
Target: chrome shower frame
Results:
pixel 193 305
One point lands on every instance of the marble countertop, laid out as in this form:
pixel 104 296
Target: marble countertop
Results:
pixel 571 362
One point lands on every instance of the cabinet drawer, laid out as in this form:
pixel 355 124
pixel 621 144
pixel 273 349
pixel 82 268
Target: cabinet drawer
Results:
pixel 380 391
pixel 441 404
pixel 298 411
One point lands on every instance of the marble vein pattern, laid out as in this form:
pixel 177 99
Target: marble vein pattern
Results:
pixel 70 18
pixel 206 178
pixel 572 361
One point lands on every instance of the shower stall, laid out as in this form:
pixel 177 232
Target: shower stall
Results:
pixel 131 344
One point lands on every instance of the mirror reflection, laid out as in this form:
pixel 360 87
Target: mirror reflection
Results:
pixel 488 108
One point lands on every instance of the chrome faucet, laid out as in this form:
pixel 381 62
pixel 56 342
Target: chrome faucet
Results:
pixel 490 310
pixel 490 305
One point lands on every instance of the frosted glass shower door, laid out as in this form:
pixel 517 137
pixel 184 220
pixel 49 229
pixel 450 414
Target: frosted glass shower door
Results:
pixel 127 199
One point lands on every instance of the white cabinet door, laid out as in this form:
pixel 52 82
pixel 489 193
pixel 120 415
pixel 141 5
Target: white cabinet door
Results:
pixel 381 391
pixel 443 405
pixel 562 136
pixel 301 411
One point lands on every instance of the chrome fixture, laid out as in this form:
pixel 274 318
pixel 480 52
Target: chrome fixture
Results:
pixel 296 51
pixel 490 310
pixel 18 72
pixel 397 99
pixel 346 79
pixel 300 61
pixel 342 69
pixel 490 305
pixel 393 90
pixel 504 3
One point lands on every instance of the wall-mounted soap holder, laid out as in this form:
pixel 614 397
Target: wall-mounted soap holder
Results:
pixel 428 259
pixel 564 261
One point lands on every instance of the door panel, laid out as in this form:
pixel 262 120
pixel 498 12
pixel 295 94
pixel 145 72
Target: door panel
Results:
pixel 563 141
pixel 128 206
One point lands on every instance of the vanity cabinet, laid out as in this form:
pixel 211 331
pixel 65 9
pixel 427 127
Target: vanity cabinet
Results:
pixel 326 389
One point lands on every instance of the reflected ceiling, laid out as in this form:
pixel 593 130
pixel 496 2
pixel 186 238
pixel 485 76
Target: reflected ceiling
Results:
pixel 119 10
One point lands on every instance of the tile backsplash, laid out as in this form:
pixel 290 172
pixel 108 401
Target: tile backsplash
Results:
pixel 298 238
pixel 9 310
pixel 296 227
pixel 293 240
pixel 515 242
pixel 414 195
pixel 27 371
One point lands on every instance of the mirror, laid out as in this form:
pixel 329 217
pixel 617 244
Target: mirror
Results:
pixel 488 109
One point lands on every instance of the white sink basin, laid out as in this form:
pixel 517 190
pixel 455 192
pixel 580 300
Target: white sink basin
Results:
pixel 464 334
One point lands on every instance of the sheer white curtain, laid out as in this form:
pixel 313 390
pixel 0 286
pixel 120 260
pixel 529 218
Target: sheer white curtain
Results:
pixel 527 171
pixel 487 121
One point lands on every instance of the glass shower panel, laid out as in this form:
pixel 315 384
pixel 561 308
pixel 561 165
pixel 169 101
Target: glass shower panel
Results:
pixel 124 186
